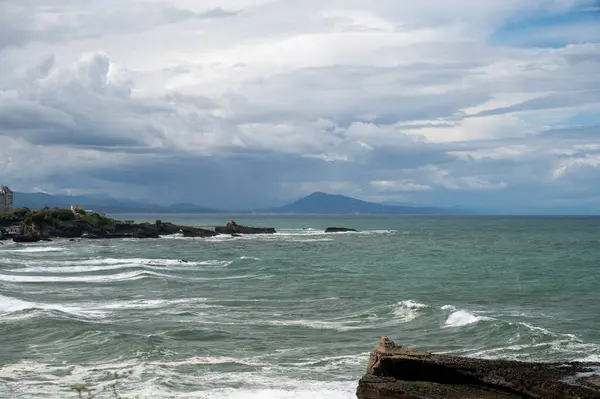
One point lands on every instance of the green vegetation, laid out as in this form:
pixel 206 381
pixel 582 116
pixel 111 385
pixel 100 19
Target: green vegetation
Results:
pixel 95 219
pixel 46 218
pixel 17 215
pixel 53 218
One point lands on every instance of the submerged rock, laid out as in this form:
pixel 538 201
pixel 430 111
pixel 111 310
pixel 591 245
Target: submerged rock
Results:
pixel 338 230
pixel 398 372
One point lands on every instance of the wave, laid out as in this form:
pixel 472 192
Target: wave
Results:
pixel 34 249
pixel 17 309
pixel 312 240
pixel 89 265
pixel 195 360
pixel 406 311
pixel 290 234
pixel 151 304
pixel 165 378
pixel 318 324
pixel 304 390
pixel 128 276
pixel 554 349
pixel 25 309
pixel 462 317
pixel 328 362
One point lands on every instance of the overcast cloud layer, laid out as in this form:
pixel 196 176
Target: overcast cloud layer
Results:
pixel 245 103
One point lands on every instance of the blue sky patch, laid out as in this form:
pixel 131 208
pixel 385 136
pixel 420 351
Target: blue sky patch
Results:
pixel 553 30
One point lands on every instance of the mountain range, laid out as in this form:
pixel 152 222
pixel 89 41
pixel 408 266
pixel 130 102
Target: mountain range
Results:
pixel 329 204
pixel 315 203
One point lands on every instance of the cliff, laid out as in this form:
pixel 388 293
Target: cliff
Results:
pixel 398 372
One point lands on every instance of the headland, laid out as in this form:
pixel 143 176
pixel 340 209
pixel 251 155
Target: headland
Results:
pixel 26 225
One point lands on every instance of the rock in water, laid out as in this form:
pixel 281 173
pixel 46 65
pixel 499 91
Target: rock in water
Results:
pixel 27 238
pixel 398 372
pixel 233 228
pixel 338 230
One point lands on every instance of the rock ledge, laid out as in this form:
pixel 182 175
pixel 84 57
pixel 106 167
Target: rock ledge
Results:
pixel 395 372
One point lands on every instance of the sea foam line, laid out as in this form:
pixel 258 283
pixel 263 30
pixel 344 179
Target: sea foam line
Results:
pixel 33 249
pixel 135 275
pixel 83 266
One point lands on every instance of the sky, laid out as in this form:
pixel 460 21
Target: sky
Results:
pixel 247 103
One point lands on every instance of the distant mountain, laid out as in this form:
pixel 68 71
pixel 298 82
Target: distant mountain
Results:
pixel 102 203
pixel 322 203
pixel 315 203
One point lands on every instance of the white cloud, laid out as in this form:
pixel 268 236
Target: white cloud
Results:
pixel 503 152
pixel 445 178
pixel 350 96
pixel 395 186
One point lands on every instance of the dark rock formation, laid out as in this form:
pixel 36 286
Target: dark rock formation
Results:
pixel 27 238
pixel 338 230
pixel 166 228
pixel 110 234
pixel 234 228
pixel 398 372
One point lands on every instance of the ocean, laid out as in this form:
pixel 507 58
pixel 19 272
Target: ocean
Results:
pixel 295 314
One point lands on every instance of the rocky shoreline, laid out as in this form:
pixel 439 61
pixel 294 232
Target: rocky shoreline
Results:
pixel 127 230
pixel 27 226
pixel 396 372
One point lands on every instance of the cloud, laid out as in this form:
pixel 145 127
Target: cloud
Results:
pixel 436 100
pixel 395 186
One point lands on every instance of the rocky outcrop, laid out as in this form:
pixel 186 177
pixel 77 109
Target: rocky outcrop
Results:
pixel 338 230
pixel 234 228
pixel 27 238
pixel 109 234
pixel 398 372
pixel 166 228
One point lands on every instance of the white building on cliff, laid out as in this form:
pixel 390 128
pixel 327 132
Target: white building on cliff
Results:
pixel 6 199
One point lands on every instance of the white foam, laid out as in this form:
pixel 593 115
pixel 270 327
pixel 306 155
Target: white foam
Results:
pixel 591 359
pixel 34 249
pixel 148 304
pixel 249 258
pixel 296 233
pixel 89 265
pixel 332 362
pixel 312 240
pixel 318 324
pixel 135 275
pixel 460 318
pixel 195 360
pixel 406 311
pixel 146 380
pixel 10 305
pixel 378 232
pixel 324 392
pixel 540 330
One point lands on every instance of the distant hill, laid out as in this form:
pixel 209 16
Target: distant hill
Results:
pixel 322 203
pixel 315 203
pixel 102 204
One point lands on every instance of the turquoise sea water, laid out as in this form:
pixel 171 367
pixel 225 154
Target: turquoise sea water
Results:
pixel 292 315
